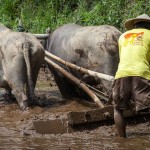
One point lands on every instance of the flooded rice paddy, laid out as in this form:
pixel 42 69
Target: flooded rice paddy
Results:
pixel 17 131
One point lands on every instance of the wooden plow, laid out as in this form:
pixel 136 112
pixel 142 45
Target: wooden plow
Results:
pixel 82 85
pixel 71 119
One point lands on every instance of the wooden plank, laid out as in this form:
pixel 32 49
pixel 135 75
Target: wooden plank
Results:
pixel 90 116
pixel 96 115
pixel 56 126
pixel 72 120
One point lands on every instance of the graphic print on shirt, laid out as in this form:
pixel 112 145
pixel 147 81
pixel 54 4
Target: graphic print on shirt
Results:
pixel 133 39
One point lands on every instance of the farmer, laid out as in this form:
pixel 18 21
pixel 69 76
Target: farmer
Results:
pixel 132 79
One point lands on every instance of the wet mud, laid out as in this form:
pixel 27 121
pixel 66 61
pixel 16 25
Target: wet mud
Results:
pixel 17 129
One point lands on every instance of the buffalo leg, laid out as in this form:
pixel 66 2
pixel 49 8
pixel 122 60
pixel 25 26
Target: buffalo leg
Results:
pixel 16 79
pixel 66 88
pixel 8 95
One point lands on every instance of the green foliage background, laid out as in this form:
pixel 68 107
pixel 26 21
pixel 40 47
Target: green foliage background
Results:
pixel 37 15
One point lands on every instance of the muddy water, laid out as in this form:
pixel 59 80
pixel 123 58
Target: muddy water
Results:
pixel 17 131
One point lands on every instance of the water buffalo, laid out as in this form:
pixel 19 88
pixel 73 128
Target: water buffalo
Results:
pixel 91 47
pixel 21 56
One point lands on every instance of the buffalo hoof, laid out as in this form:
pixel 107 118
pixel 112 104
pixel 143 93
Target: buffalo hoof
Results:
pixel 9 97
pixel 24 105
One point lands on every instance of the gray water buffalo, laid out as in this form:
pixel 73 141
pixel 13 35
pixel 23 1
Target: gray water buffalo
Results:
pixel 91 47
pixel 21 56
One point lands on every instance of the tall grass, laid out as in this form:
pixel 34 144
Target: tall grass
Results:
pixel 37 15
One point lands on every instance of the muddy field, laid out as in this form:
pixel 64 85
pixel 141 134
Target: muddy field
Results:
pixel 17 130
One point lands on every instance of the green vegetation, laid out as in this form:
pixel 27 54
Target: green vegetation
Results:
pixel 37 15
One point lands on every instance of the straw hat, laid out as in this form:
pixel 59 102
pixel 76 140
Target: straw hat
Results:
pixel 129 24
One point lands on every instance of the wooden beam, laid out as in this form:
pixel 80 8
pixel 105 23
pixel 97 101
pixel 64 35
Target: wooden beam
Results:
pixel 41 36
pixel 76 81
pixel 81 69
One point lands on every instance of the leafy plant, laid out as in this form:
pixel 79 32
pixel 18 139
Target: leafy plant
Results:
pixel 37 15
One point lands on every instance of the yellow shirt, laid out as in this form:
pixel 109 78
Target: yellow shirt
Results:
pixel 134 52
